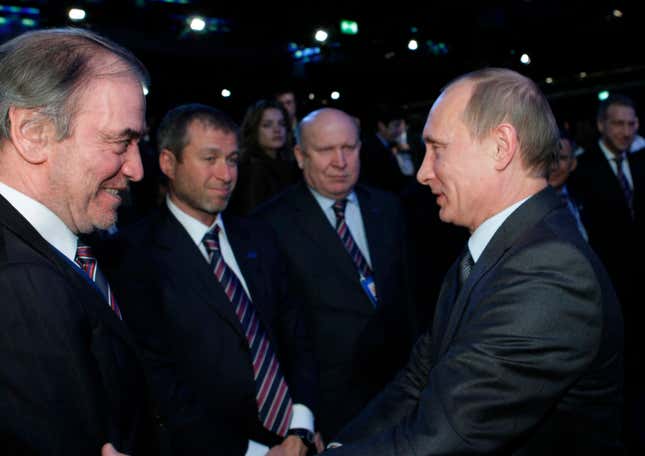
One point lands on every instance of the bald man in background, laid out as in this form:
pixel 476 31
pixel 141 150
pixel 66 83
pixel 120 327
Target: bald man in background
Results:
pixel 346 250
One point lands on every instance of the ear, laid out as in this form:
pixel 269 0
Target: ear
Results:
pixel 299 154
pixel 505 139
pixel 31 134
pixel 574 163
pixel 168 163
pixel 600 125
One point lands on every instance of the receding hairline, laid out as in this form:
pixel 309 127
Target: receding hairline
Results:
pixel 315 116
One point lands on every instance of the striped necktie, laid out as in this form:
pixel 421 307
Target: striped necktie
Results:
pixel 87 261
pixel 348 241
pixel 624 184
pixel 272 393
pixel 466 264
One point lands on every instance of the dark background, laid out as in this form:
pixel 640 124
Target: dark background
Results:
pixel 247 50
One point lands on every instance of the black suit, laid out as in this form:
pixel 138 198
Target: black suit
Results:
pixel 196 354
pixel 613 234
pixel 69 375
pixel 379 167
pixel 526 359
pixel 618 240
pixel 358 348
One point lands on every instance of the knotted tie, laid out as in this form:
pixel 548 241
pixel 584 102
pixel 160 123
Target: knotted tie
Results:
pixel 465 266
pixel 624 184
pixel 87 261
pixel 348 241
pixel 272 393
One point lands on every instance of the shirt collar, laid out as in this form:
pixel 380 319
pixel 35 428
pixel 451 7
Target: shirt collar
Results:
pixel 44 221
pixel 609 155
pixel 326 202
pixel 485 232
pixel 196 229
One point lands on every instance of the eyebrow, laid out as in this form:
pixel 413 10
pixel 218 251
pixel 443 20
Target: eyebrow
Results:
pixel 127 133
pixel 430 140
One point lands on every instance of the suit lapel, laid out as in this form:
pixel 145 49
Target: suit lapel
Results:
pixel 376 230
pixel 520 221
pixel 92 300
pixel 316 226
pixel 181 258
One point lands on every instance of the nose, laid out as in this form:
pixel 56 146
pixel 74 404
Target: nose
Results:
pixel 426 170
pixel 223 171
pixel 132 166
pixel 339 158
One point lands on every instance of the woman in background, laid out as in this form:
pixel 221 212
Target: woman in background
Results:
pixel 266 165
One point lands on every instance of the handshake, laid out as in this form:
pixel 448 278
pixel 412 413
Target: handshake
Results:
pixel 299 442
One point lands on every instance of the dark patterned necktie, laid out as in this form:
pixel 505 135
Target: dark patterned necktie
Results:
pixel 87 261
pixel 272 394
pixel 465 266
pixel 348 241
pixel 624 184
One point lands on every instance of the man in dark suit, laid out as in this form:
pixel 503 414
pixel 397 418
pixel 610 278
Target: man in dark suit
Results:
pixel 525 354
pixel 348 263
pixel 205 297
pixel 609 183
pixel 72 111
pixel 386 157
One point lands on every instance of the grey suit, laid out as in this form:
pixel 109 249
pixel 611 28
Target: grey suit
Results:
pixel 525 359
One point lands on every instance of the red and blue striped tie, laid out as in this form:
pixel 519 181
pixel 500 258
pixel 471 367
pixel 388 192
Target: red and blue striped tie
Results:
pixel 272 393
pixel 87 261
pixel 348 241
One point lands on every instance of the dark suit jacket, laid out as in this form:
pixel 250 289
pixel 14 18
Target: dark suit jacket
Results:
pixel 69 375
pixel 526 359
pixel 196 355
pixel 379 167
pixel 357 348
pixel 612 233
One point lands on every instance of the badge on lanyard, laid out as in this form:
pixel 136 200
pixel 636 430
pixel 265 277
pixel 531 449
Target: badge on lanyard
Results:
pixel 370 289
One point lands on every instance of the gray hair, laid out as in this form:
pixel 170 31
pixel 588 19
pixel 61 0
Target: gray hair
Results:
pixel 48 69
pixel 501 95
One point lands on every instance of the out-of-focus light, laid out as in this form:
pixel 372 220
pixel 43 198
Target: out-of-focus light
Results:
pixel 582 75
pixel 549 80
pixel 311 96
pixel 348 27
pixel 603 95
pixel 76 14
pixel 413 45
pixel 335 95
pixel 145 91
pixel 226 93
pixel 525 59
pixel 321 36
pixel 197 24
pixel 617 13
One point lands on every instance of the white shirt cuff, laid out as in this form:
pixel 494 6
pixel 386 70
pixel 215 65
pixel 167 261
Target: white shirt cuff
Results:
pixel 256 449
pixel 302 418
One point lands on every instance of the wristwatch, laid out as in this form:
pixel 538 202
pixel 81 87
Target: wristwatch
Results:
pixel 306 436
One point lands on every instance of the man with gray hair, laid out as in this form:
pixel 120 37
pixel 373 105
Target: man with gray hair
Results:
pixel 72 110
pixel 525 353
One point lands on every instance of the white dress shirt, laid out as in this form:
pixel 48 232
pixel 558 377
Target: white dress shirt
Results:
pixel 302 416
pixel 353 219
pixel 44 221
pixel 485 232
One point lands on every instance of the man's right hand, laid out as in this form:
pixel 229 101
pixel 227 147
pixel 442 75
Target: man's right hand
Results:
pixel 291 446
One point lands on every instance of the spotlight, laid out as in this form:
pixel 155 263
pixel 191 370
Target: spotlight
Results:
pixel 226 93
pixel 76 14
pixel 197 24
pixel 321 36
pixel 413 45
pixel 525 59
pixel 335 95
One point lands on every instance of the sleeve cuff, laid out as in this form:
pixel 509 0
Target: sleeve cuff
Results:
pixel 302 418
